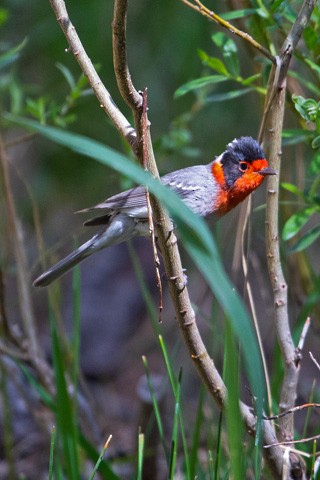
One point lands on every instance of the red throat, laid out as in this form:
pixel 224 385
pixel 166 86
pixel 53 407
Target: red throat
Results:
pixel 228 197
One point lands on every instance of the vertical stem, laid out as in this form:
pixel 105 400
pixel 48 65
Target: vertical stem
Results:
pixel 272 143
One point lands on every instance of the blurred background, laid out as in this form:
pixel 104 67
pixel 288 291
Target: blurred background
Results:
pixel 49 183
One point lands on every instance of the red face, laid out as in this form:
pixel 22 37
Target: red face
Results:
pixel 246 177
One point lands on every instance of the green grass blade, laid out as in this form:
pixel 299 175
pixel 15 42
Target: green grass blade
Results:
pixel 91 452
pixel 140 455
pixel 76 325
pixel 52 444
pixel 155 408
pixel 175 431
pixel 76 339
pixel 168 365
pixel 232 411
pixel 104 467
pixel 211 466
pixel 174 388
pixel 197 434
pixel 64 412
pixel 218 449
pixel 98 463
pixel 43 394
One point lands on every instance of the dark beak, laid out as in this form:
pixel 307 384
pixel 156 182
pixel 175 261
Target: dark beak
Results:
pixel 267 171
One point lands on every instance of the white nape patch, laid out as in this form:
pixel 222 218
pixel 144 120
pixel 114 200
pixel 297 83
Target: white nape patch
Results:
pixel 219 158
pixel 233 143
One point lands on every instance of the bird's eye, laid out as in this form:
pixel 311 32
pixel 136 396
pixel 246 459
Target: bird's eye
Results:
pixel 243 166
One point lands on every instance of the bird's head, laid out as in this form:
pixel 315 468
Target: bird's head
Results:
pixel 239 170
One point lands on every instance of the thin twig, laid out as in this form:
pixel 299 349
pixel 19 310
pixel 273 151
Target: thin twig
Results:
pixel 119 25
pixel 293 410
pixel 303 335
pixel 105 100
pixel 19 140
pixel 314 361
pixel 144 129
pixel 199 7
pixel 292 442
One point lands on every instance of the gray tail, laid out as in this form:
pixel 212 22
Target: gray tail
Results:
pixel 65 264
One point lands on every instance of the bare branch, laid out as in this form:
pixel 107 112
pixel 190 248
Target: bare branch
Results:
pixel 292 442
pixel 120 62
pixel 199 7
pixel 102 94
pixel 293 410
pixel 314 361
pixel 303 335
pixel 270 133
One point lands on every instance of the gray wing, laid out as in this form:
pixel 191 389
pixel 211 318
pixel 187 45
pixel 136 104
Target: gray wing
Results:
pixel 133 200
pixel 190 183
pixel 135 197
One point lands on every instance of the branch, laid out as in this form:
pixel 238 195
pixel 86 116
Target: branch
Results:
pixel 184 312
pixel 120 62
pixel 167 240
pixel 270 133
pixel 199 7
pixel 102 94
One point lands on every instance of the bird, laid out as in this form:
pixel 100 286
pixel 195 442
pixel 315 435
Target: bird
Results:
pixel 212 189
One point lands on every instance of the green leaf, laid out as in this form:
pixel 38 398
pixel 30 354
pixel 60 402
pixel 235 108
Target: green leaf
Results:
pixel 316 142
pixel 199 83
pixel 219 38
pixel 314 167
pixel 251 79
pixel 230 55
pixel 295 136
pixel 310 85
pixel 65 419
pixel 306 240
pixel 294 224
pixel 12 55
pixel 307 107
pixel 221 97
pixel 292 188
pixel 244 12
pixel 213 62
pixel 67 75
pixel 313 65
pixel 4 15
pixel 195 236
